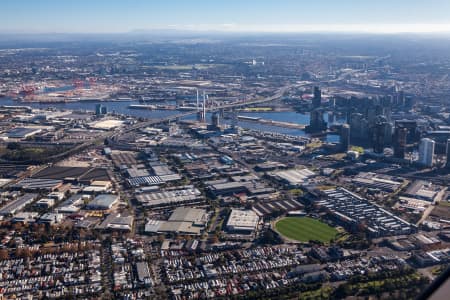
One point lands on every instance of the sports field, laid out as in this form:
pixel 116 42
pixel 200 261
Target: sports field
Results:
pixel 305 229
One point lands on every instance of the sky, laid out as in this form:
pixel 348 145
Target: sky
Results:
pixel 119 16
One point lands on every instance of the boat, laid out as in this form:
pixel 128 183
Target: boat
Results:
pixel 142 106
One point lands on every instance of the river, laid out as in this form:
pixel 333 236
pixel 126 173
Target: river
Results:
pixel 121 107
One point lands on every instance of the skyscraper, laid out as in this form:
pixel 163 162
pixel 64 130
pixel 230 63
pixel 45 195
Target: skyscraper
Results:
pixel 426 152
pixel 101 109
pixel 400 141
pixel 359 127
pixel 400 99
pixel 317 99
pixel 411 125
pixel 316 122
pixel 215 122
pixel 234 119
pixel 98 109
pixel 409 102
pixel 345 137
pixel 379 134
pixel 215 119
pixel 331 117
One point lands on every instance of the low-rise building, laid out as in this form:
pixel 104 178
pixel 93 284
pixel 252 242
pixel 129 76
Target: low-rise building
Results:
pixel 18 204
pixel 184 220
pixel 103 202
pixel 51 218
pixel 45 203
pixel 242 221
pixel 293 177
pixel 117 221
pixel 377 181
pixel 228 188
pixel 169 198
pixel 25 217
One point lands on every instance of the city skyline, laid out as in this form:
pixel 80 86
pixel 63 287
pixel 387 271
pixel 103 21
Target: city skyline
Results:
pixel 224 150
pixel 100 16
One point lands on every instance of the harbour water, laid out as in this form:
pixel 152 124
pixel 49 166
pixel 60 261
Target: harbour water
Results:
pixel 122 107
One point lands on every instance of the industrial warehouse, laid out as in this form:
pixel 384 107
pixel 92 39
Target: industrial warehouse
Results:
pixel 242 221
pixel 184 220
pixel 168 198
pixel 355 211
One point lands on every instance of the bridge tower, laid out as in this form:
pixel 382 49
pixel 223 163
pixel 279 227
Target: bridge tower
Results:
pixel 201 114
pixel 198 105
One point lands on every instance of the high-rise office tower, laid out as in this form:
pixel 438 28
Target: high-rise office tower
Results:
pixel 411 126
pixel 400 141
pixel 359 127
pixel 215 122
pixel 409 102
pixel 316 122
pixel 426 152
pixel 317 99
pixel 379 135
pixel 234 119
pixel 98 109
pixel 331 117
pixel 101 109
pixel 215 119
pixel 345 137
pixel 400 101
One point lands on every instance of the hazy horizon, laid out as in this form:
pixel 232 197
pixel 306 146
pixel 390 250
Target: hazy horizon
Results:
pixel 264 16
